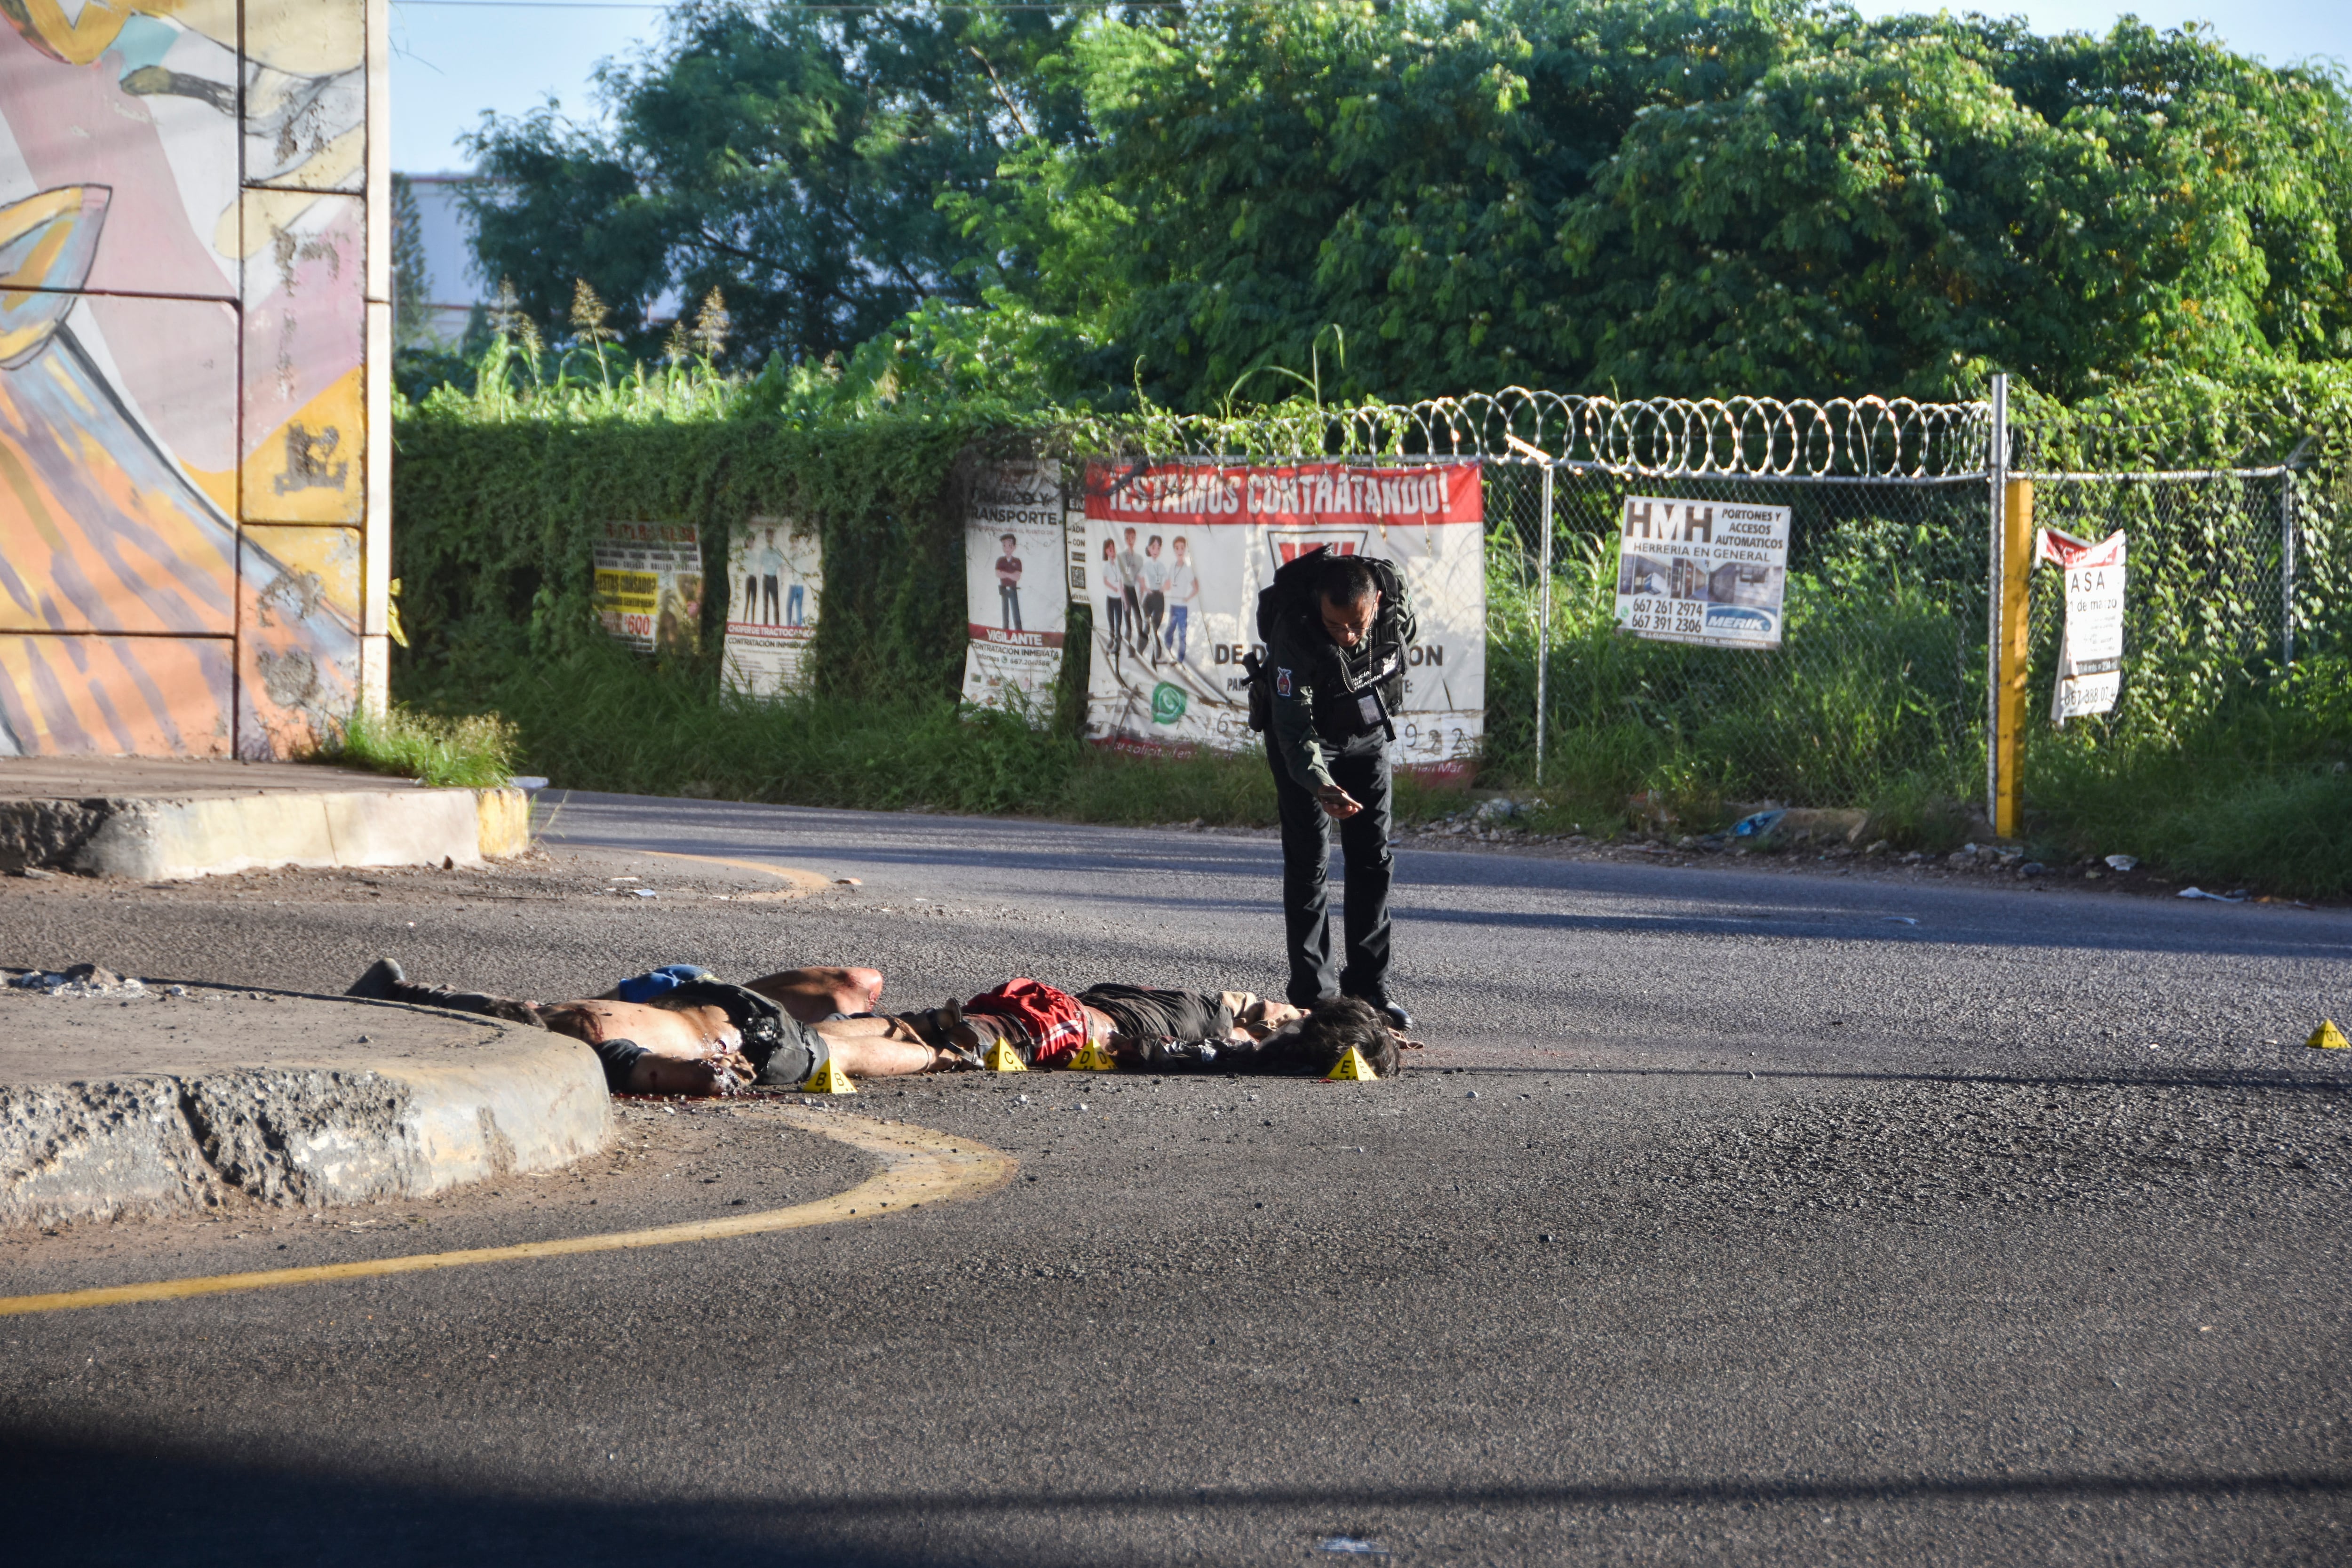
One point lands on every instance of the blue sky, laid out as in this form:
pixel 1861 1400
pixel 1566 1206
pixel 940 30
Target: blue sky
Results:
pixel 450 62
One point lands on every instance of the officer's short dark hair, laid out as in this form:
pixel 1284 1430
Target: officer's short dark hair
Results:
pixel 1345 579
pixel 1330 1027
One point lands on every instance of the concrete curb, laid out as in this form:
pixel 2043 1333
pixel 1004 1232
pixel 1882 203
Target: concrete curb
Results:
pixel 299 1133
pixel 154 838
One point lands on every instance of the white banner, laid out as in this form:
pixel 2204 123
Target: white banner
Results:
pixel 648 588
pixel 1702 572
pixel 1018 602
pixel 1176 553
pixel 2091 647
pixel 774 578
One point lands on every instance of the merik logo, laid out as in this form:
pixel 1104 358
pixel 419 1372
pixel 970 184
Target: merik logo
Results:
pixel 1167 703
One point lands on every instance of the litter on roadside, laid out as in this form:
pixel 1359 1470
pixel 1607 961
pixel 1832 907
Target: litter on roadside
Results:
pixel 1350 1546
pixel 2237 898
pixel 2122 862
pixel 1900 919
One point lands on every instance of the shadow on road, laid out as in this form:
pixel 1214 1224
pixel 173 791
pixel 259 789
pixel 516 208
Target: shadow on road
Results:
pixel 106 1502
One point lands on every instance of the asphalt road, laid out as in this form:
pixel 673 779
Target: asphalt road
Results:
pixel 1731 1216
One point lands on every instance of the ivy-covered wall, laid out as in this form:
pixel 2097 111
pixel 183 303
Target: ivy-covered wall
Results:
pixel 495 523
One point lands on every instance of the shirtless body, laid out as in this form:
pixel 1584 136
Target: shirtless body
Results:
pixel 700 1036
pixel 681 1030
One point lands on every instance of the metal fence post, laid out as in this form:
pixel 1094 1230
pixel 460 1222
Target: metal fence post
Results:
pixel 1997 464
pixel 2286 565
pixel 1543 632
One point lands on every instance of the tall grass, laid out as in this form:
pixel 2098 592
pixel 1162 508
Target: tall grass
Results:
pixel 602 718
pixel 2259 792
pixel 1871 701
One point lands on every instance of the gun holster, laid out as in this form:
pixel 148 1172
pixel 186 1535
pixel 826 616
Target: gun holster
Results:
pixel 1261 693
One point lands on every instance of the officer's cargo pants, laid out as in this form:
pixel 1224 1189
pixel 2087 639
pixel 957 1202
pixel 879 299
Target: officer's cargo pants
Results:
pixel 1362 768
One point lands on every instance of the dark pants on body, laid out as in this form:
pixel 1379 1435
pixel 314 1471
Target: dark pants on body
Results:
pixel 1361 769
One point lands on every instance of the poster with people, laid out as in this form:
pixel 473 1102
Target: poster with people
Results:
pixel 774 577
pixel 1176 553
pixel 1018 602
pixel 649 585
pixel 1702 572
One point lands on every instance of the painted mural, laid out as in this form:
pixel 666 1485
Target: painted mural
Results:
pixel 182 377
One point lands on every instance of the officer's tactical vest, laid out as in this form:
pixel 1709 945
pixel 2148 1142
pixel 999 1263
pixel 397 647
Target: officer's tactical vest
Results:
pixel 1289 613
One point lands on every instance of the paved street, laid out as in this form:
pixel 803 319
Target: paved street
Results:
pixel 1735 1216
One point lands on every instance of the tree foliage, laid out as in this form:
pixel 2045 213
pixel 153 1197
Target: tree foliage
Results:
pixel 1762 196
pixel 789 156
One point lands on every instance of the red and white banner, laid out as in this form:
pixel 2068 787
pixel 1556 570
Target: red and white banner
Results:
pixel 1176 553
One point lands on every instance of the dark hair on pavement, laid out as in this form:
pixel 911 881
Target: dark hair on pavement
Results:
pixel 1345 579
pixel 1331 1026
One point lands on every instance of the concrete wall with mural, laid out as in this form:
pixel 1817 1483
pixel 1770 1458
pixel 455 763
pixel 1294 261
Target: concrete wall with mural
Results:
pixel 195 341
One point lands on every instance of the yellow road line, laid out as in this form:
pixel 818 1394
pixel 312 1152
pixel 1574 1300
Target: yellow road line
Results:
pixel 804 883
pixel 920 1166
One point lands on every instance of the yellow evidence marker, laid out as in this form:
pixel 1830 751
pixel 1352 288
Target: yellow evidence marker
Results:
pixel 1092 1058
pixel 1002 1058
pixel 1351 1068
pixel 2328 1037
pixel 829 1079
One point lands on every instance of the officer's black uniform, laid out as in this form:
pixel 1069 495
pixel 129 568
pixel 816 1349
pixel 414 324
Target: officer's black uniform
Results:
pixel 1319 734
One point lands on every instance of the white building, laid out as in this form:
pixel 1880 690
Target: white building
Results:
pixel 452 285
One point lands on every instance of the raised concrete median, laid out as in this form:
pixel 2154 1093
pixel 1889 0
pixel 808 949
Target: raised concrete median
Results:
pixel 158 820
pixel 120 1099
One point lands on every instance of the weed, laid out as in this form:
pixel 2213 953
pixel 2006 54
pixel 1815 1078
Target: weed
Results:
pixel 475 751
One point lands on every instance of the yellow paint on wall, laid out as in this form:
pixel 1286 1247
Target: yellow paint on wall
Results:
pixel 247 227
pixel 313 468
pixel 330 168
pixel 219 486
pixel 95 23
pixel 308 37
pixel 330 556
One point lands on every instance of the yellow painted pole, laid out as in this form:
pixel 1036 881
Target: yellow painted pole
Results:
pixel 2008 726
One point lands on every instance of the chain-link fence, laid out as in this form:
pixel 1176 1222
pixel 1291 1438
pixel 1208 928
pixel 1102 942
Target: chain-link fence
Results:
pixel 2209 601
pixel 2235 616
pixel 1878 679
pixel 1878 688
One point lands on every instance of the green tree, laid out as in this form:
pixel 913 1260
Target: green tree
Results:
pixel 1695 196
pixel 792 155
pixel 1769 196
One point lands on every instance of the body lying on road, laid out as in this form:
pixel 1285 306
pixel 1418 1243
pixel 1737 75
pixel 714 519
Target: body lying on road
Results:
pixel 1151 1029
pixel 681 1030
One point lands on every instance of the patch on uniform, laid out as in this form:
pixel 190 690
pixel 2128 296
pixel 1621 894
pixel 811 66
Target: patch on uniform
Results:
pixel 1282 682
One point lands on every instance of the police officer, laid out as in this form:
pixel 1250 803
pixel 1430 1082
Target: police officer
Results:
pixel 1335 663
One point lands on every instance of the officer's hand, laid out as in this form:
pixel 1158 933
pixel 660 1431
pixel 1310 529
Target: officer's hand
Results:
pixel 1338 802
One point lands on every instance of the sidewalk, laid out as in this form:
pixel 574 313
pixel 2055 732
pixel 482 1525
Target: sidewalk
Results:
pixel 153 819
pixel 120 1098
